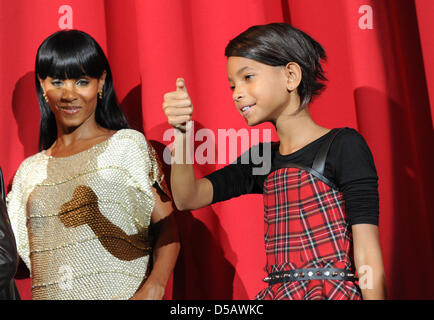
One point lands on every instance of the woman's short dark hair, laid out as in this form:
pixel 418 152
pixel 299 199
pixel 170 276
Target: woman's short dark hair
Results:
pixel 277 44
pixel 71 54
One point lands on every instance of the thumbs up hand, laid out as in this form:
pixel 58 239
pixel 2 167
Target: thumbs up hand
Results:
pixel 177 106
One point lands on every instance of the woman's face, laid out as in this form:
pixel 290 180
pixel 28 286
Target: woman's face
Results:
pixel 73 101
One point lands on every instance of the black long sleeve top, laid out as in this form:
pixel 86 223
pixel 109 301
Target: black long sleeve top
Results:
pixel 349 165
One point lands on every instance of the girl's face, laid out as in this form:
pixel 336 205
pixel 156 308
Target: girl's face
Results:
pixel 259 90
pixel 73 101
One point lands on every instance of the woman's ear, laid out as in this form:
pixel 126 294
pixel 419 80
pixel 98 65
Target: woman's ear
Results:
pixel 101 81
pixel 293 74
pixel 41 82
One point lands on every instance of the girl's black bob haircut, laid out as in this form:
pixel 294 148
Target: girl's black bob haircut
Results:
pixel 72 54
pixel 277 44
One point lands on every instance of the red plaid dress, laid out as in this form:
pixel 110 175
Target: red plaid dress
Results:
pixel 306 227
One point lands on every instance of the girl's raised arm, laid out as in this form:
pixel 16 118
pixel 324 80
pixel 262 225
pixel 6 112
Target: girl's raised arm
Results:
pixel 188 192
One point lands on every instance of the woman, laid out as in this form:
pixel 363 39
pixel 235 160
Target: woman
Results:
pixel 81 208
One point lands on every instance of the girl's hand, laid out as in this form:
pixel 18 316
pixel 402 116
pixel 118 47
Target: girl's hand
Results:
pixel 177 106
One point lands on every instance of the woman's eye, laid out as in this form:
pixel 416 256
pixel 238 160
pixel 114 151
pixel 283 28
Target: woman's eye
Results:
pixel 82 82
pixel 232 88
pixel 248 76
pixel 56 83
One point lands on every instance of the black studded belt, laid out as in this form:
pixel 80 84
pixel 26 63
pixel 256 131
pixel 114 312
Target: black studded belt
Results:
pixel 310 274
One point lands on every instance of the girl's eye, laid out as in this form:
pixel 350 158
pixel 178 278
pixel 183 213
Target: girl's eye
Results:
pixel 248 76
pixel 82 82
pixel 232 88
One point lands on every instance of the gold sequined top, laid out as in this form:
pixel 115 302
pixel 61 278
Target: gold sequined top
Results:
pixel 81 222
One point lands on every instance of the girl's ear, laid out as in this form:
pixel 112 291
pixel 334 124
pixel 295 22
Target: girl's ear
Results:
pixel 293 74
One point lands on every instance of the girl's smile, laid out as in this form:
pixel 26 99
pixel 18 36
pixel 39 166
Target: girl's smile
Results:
pixel 259 90
pixel 247 109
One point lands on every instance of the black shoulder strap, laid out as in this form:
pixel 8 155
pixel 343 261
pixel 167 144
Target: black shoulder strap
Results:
pixel 2 186
pixel 321 156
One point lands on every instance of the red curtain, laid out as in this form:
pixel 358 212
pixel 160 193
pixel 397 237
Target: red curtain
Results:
pixel 381 82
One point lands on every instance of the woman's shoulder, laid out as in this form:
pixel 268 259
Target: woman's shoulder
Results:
pixel 32 161
pixel 129 135
pixel 30 166
pixel 134 151
pixel 129 143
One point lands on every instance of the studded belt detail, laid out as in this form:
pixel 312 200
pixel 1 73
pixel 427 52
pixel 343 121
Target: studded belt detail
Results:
pixel 309 274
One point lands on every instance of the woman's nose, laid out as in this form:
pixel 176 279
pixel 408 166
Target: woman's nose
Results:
pixel 69 94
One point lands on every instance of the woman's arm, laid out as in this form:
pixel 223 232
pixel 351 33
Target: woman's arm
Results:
pixel 165 251
pixel 369 262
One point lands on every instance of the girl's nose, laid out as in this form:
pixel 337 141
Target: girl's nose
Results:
pixel 237 95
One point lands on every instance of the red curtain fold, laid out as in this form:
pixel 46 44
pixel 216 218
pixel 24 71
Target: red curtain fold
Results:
pixel 381 82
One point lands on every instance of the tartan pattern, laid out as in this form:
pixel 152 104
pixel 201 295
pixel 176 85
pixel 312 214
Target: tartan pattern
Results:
pixel 305 227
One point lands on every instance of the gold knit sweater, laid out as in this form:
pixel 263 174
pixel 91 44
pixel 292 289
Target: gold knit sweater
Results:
pixel 81 222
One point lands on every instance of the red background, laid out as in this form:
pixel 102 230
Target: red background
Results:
pixel 381 82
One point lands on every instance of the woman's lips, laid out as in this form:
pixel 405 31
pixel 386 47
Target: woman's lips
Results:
pixel 70 110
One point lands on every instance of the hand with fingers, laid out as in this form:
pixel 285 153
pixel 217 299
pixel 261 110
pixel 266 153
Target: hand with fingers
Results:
pixel 177 107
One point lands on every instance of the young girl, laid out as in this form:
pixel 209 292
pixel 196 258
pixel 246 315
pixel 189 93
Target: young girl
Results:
pixel 82 208
pixel 320 196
